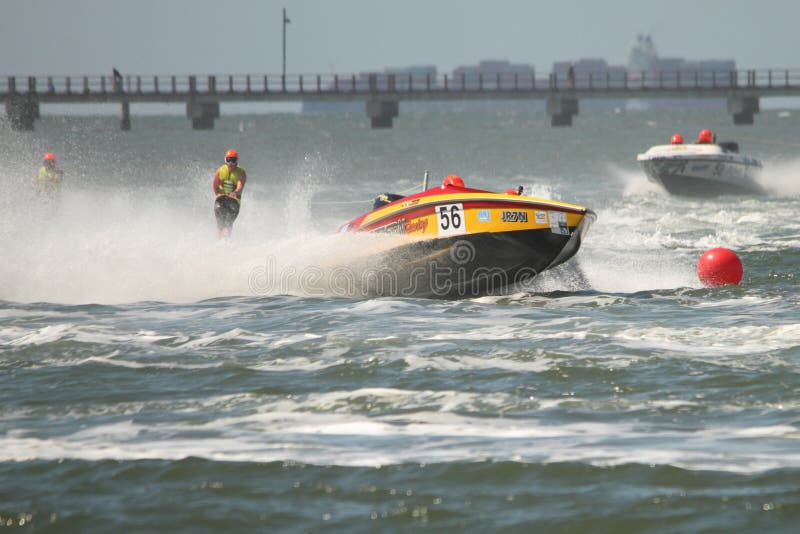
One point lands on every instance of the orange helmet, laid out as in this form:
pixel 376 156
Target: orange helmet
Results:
pixel 49 157
pixel 453 181
pixel 705 136
pixel 231 154
pixel 677 139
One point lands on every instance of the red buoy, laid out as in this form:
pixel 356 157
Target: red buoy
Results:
pixel 719 266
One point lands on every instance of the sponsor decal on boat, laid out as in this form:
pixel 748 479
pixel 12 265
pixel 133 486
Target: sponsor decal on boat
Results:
pixel 558 223
pixel 540 217
pixel 484 216
pixel 396 227
pixel 515 216
pixel 417 225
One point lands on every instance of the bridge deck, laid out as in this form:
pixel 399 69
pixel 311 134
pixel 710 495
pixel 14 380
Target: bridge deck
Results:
pixel 382 92
pixel 172 88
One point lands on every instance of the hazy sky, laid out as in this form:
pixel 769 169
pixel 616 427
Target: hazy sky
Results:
pixel 244 36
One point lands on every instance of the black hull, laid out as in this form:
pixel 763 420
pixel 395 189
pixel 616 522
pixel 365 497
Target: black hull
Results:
pixel 469 265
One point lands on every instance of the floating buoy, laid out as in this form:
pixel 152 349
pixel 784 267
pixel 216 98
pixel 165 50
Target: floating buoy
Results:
pixel 719 266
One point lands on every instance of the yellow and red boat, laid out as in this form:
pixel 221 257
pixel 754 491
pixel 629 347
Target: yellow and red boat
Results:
pixel 452 241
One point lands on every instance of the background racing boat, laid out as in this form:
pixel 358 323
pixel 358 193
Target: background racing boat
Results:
pixel 702 170
pixel 453 241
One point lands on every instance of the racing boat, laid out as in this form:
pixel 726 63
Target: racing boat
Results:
pixel 452 241
pixel 702 170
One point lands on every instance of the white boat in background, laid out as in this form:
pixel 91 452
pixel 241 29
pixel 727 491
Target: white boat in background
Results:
pixel 702 170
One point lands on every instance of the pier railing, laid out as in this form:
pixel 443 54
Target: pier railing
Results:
pixel 381 92
pixel 131 86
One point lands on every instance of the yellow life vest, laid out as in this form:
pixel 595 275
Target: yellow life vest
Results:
pixel 228 179
pixel 47 179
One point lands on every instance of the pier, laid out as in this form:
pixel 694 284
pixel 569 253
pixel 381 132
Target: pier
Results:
pixel 382 93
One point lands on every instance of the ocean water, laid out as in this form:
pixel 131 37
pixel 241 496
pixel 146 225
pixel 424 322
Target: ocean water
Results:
pixel 153 378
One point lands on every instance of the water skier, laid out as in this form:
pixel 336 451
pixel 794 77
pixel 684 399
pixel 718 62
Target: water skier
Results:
pixel 48 179
pixel 228 185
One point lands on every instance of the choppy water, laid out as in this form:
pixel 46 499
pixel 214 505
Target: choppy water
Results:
pixel 148 382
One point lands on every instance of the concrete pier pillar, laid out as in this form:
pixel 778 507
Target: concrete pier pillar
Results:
pixel 743 108
pixel 561 110
pixel 382 112
pixel 125 116
pixel 202 114
pixel 22 110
